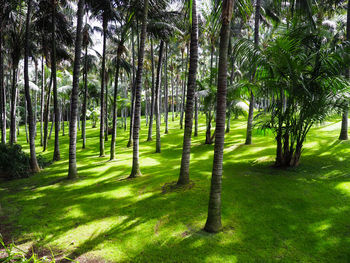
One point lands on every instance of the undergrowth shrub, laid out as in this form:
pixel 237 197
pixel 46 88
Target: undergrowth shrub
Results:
pixel 14 163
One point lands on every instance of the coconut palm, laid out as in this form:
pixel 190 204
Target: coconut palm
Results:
pixel 184 177
pixel 213 223
pixel 72 172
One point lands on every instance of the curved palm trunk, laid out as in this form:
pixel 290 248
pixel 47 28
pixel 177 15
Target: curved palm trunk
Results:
pixel 13 106
pixel 213 223
pixel 33 161
pixel 135 163
pixel 184 177
pixel 83 124
pixel 157 95
pixel 72 172
pixel 114 132
pixel 344 124
pixel 166 103
pixel 150 127
pixel 56 153
pixel 102 115
pixel 251 101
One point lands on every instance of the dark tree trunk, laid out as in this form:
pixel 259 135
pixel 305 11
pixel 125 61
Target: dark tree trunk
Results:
pixel 42 101
pixel 157 99
pixel 13 106
pixel 166 103
pixel 102 115
pixel 228 122
pixel 195 116
pixel 172 96
pixel 132 108
pixel 184 177
pixel 72 172
pixel 46 114
pixel 248 139
pixel 26 120
pixel 56 153
pixel 150 127
pixel 33 161
pixel 135 163
pixel 83 124
pixel 213 223
pixel 344 124
pixel 114 132
pixel 2 87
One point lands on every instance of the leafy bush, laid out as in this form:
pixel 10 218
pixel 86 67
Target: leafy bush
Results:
pixel 14 163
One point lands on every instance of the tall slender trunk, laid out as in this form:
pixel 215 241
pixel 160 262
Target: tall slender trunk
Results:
pixel 184 91
pixel 132 107
pixel 114 132
pixel 102 117
pixel 72 172
pixel 195 116
pixel 13 106
pixel 33 161
pixel 2 87
pixel 251 101
pixel 26 120
pixel 184 177
pixel 166 103
pixel 172 96
pixel 46 114
pixel 83 124
pixel 42 101
pixel 177 99
pixel 157 102
pixel 106 110
pixel 56 153
pixel 344 124
pixel 150 127
pixel 135 163
pixel 213 223
pixel 146 101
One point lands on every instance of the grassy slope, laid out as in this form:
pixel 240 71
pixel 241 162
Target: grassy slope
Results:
pixel 269 215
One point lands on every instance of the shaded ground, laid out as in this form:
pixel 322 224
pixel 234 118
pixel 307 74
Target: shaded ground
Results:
pixel 269 215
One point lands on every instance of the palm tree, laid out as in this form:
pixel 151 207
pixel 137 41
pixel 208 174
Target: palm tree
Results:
pixel 252 99
pixel 2 88
pixel 150 127
pixel 72 172
pixel 184 177
pixel 33 161
pixel 157 96
pixel 56 152
pixel 138 82
pixel 344 124
pixel 213 223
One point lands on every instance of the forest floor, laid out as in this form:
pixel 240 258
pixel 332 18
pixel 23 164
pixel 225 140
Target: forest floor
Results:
pixel 268 214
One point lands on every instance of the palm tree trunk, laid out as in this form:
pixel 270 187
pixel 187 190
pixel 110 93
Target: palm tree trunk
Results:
pixel 26 120
pixel 213 223
pixel 42 101
pixel 33 161
pixel 13 106
pixel 157 102
pixel 72 172
pixel 184 177
pixel 102 117
pixel 135 163
pixel 344 124
pixel 251 101
pixel 56 153
pixel 150 127
pixel 132 110
pixel 46 114
pixel 172 97
pixel 195 116
pixel 114 132
pixel 2 87
pixel 166 103
pixel 83 124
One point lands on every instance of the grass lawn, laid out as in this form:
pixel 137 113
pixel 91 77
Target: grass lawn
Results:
pixel 269 215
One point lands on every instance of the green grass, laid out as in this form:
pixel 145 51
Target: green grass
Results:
pixel 269 215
